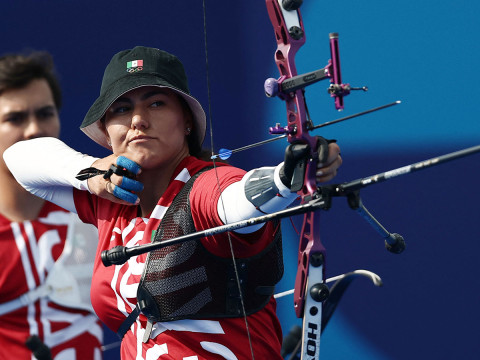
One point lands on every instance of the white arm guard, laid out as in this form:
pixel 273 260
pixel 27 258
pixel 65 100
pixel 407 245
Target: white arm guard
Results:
pixel 260 191
pixel 46 167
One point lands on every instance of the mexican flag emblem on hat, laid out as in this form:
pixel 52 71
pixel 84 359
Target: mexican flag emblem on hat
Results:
pixel 134 64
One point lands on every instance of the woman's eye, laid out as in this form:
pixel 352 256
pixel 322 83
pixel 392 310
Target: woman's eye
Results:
pixel 158 103
pixel 120 109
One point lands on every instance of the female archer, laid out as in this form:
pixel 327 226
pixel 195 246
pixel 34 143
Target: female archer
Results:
pixel 193 308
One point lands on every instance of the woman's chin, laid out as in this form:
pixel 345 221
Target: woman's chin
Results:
pixel 149 160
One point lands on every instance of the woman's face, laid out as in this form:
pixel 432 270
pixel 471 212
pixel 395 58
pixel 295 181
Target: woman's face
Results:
pixel 149 126
pixel 27 113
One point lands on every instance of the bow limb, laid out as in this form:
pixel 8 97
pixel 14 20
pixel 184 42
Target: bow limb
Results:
pixel 309 288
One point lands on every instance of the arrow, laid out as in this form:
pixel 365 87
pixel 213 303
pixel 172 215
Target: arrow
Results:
pixel 225 154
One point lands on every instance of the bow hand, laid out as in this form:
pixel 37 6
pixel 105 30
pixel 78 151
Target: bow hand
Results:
pixel 327 156
pixel 327 170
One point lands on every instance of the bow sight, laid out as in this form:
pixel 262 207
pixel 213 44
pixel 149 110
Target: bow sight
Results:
pixel 284 86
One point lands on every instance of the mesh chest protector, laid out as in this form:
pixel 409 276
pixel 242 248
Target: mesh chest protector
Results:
pixel 185 281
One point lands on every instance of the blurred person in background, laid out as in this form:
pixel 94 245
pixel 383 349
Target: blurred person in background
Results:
pixel 45 310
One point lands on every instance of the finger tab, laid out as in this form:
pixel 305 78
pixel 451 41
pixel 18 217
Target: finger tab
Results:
pixel 128 164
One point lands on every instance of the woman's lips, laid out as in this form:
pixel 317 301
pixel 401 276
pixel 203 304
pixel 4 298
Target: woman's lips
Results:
pixel 140 138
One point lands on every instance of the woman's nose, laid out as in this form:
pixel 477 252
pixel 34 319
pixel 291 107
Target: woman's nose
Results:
pixel 139 121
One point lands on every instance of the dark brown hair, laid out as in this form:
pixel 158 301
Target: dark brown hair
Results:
pixel 18 70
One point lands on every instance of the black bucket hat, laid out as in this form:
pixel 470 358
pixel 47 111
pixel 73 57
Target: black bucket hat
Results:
pixel 134 68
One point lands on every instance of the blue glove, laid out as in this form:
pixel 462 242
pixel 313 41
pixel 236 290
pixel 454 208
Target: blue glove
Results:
pixel 128 169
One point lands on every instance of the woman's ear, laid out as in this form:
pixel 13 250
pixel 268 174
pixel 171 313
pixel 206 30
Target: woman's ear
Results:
pixel 109 142
pixel 101 125
pixel 188 127
pixel 188 122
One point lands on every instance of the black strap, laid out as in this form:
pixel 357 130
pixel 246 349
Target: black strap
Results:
pixel 127 323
